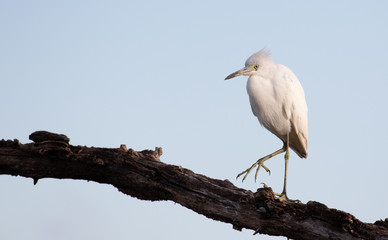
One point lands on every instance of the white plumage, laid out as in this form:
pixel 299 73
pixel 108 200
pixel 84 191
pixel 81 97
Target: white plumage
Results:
pixel 278 101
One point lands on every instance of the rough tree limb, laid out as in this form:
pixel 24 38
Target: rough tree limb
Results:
pixel 142 175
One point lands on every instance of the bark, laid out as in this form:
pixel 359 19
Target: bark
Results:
pixel 142 175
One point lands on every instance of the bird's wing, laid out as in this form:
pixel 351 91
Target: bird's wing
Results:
pixel 295 109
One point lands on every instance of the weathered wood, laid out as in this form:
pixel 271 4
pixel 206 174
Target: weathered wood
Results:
pixel 142 175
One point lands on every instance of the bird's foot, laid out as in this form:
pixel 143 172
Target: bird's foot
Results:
pixel 258 164
pixel 283 197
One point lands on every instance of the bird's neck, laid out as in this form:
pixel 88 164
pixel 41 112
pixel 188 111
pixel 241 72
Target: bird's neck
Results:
pixel 267 71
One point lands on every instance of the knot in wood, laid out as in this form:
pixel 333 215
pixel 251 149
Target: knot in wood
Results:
pixel 264 194
pixel 10 143
pixel 123 147
pixel 158 152
pixel 53 144
pixel 41 136
pixel 316 208
pixel 150 154
pixel 383 223
pixel 53 148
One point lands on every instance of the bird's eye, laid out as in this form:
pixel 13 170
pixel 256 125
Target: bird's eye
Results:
pixel 256 67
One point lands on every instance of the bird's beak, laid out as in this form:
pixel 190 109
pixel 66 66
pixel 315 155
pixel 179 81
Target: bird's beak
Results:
pixel 243 71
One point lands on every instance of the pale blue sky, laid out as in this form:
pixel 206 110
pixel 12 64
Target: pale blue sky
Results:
pixel 151 73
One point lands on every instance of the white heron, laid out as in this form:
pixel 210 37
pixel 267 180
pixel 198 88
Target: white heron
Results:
pixel 278 101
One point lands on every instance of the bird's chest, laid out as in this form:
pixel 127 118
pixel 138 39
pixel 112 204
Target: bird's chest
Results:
pixel 267 104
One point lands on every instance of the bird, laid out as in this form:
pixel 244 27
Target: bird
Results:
pixel 277 99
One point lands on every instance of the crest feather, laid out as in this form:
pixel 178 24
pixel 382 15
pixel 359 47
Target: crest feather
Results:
pixel 262 55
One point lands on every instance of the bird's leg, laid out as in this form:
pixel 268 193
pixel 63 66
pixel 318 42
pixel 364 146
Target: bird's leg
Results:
pixel 260 163
pixel 283 195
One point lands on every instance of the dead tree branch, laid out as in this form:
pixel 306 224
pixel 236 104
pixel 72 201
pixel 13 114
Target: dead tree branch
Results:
pixel 142 175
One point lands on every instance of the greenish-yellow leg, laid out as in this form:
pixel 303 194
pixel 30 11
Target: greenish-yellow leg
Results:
pixel 260 163
pixel 283 195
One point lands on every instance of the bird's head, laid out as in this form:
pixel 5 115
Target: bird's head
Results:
pixel 258 64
